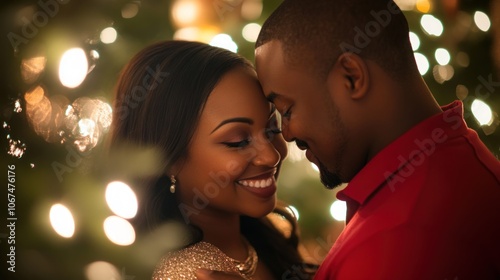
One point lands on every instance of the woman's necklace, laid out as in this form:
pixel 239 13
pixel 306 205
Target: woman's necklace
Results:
pixel 249 266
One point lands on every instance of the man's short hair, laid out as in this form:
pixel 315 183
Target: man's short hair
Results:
pixel 314 33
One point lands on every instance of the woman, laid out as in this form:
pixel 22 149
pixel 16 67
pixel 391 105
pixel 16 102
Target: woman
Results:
pixel 221 151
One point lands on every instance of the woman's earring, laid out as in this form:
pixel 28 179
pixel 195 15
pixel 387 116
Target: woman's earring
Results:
pixel 172 181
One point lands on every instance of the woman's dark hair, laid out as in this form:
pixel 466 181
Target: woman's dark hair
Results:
pixel 158 101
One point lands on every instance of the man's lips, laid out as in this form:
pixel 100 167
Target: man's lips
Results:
pixel 311 157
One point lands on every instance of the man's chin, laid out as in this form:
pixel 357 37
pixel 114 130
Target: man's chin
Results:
pixel 329 179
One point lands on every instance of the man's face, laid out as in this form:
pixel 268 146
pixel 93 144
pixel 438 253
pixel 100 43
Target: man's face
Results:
pixel 310 117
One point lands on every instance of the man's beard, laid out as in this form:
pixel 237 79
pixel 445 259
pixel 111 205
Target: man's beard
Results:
pixel 329 179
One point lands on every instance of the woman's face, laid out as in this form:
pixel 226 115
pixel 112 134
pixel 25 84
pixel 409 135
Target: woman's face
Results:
pixel 234 155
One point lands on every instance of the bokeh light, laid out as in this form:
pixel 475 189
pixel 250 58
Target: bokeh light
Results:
pixel 185 12
pixel 251 9
pixel 443 73
pixel 338 210
pixel 119 231
pixel 86 127
pixel 442 56
pixel 224 41
pixel 121 199
pixel 462 92
pixel 93 58
pixel 406 5
pixel 35 95
pixel 482 112
pixel 31 68
pixel 101 270
pixel 130 10
pixel 482 21
pixel 187 34
pixel 431 25
pixel 422 63
pixel 85 122
pixel 251 31
pixel 62 220
pixel 108 35
pixel 73 68
pixel 16 148
pixel 192 33
pixel 423 6
pixel 462 59
pixel 45 115
pixel 414 40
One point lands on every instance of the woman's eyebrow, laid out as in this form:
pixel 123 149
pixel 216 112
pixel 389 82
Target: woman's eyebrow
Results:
pixel 232 120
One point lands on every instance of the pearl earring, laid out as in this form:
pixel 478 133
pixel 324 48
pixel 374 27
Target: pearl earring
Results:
pixel 172 181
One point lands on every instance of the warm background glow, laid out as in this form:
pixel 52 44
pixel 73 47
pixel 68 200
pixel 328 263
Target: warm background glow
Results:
pixel 61 62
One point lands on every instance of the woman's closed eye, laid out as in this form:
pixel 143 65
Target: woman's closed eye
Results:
pixel 237 144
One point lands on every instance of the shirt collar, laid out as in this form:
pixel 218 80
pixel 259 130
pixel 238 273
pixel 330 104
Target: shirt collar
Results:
pixel 415 141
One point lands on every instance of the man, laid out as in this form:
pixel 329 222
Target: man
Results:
pixel 424 191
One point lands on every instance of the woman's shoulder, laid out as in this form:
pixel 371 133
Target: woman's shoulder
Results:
pixel 182 264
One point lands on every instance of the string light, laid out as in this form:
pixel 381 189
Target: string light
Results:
pixel 422 63
pixel 442 56
pixel 250 32
pixel 251 9
pixel 62 220
pixel 185 12
pixel 482 21
pixel 119 231
pixel 338 210
pixel 101 270
pixel 423 6
pixel 414 40
pixel 406 5
pixel 224 41
pixel 108 35
pixel 121 199
pixel 130 10
pixel 73 68
pixel 482 112
pixel 32 68
pixel 431 25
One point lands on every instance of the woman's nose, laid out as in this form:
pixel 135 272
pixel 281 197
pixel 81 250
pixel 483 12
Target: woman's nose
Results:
pixel 266 155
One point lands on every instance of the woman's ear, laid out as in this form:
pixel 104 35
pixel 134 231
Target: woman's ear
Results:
pixel 354 74
pixel 175 168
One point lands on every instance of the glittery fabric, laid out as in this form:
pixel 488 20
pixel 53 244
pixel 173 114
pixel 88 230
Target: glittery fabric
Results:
pixel 183 263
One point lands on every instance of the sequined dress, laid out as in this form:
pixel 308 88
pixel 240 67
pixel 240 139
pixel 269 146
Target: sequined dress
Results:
pixel 182 264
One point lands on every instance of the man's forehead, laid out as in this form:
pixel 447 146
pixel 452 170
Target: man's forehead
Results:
pixel 269 50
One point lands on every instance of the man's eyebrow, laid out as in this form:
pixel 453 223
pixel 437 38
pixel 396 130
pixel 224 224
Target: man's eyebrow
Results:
pixel 240 120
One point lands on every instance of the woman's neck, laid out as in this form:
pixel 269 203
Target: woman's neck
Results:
pixel 223 231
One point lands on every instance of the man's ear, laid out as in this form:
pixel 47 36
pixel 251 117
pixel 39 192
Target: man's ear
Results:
pixel 354 74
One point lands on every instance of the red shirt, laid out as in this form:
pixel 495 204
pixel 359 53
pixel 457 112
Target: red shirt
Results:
pixel 426 207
